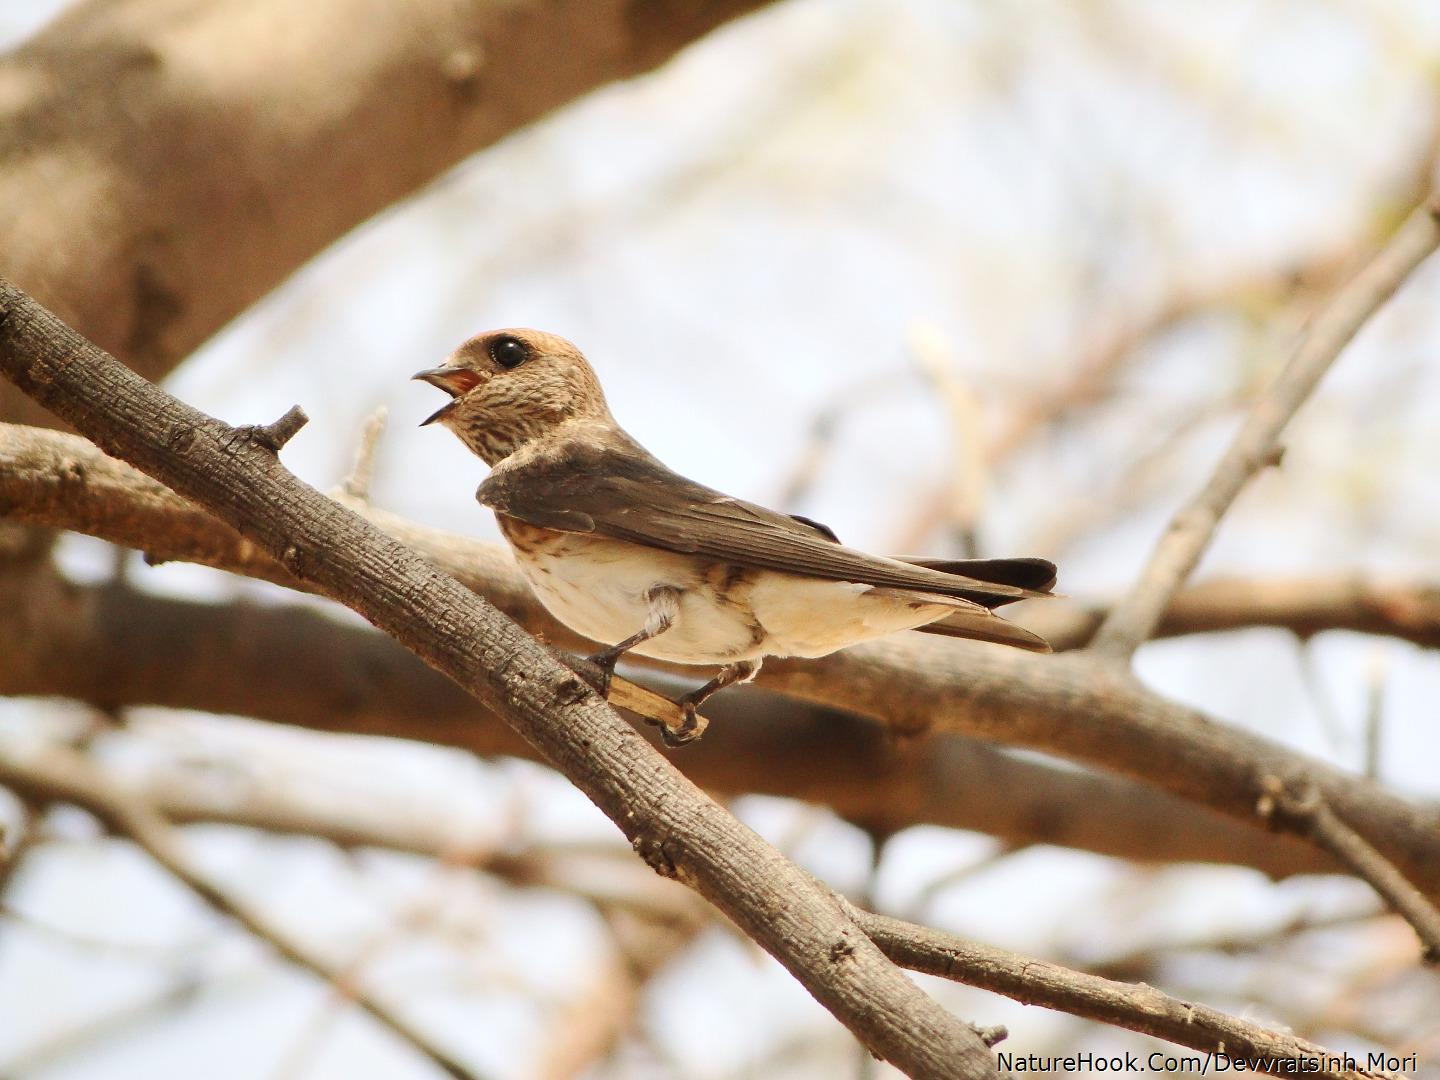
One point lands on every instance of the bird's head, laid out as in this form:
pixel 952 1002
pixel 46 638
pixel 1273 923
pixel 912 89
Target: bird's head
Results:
pixel 511 387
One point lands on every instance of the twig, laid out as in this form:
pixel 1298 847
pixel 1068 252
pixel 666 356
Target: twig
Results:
pixel 1139 480
pixel 17 841
pixel 961 874
pixel 62 481
pixel 1190 530
pixel 57 775
pixel 587 1030
pixel 821 435
pixel 165 953
pixel 1140 962
pixel 671 824
pixel 275 436
pixel 1375 678
pixel 1306 812
pixel 966 496
pixel 1313 679
pixel 362 472
pixel 1129 1005
pixel 1306 606
pixel 345 982
pixel 35 1060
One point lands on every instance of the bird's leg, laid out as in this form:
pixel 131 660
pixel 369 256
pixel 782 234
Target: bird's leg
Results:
pixel 664 601
pixel 742 671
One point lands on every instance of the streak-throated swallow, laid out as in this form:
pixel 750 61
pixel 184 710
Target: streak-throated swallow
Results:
pixel 632 555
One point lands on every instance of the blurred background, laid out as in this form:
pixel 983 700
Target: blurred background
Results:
pixel 946 275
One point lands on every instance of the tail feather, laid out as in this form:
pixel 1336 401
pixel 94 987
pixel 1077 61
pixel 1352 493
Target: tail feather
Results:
pixel 1036 576
pixel 987 627
pixel 964 619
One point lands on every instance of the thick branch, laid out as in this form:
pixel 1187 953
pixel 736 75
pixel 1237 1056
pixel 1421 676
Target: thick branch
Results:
pixel 342 680
pixel 1093 713
pixel 348 680
pixel 142 140
pixel 1134 619
pixel 64 482
pixel 670 822
pixel 1130 1005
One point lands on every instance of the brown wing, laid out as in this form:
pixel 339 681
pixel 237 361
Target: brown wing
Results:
pixel 621 491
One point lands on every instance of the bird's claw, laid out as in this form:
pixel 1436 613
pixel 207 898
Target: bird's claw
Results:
pixel 690 729
pixel 601 678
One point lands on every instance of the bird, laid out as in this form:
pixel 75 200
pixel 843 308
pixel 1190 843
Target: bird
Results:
pixel 639 559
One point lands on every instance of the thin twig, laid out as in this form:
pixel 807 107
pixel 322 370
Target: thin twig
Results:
pixel 122 1021
pixel 960 874
pixel 823 430
pixel 344 985
pixel 16 842
pixel 274 436
pixel 164 953
pixel 57 775
pixel 1141 962
pixel 1312 677
pixel 1191 529
pixel 362 472
pixel 966 495
pixel 1375 681
pixel 1306 812
pixel 586 1031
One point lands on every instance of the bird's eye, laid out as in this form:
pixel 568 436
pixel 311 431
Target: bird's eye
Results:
pixel 509 352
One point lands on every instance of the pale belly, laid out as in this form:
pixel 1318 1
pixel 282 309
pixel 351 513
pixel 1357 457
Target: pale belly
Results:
pixel 598 587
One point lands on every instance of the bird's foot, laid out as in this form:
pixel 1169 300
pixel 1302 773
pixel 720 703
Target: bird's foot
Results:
pixel 691 727
pixel 604 661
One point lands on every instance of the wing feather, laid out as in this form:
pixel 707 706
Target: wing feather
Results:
pixel 621 491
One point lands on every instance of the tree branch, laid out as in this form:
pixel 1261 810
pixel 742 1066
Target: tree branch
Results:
pixel 342 680
pixel 670 822
pixel 1129 1005
pixel 1134 619
pixel 57 775
pixel 1098 714
pixel 830 759
pixel 1307 813
pixel 1306 606
pixel 113 215
pixel 63 482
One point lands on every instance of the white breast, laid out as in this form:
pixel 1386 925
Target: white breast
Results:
pixel 597 586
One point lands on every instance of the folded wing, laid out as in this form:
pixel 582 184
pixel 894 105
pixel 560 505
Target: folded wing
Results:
pixel 620 490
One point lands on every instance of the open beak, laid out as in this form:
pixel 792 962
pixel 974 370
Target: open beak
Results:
pixel 453 381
